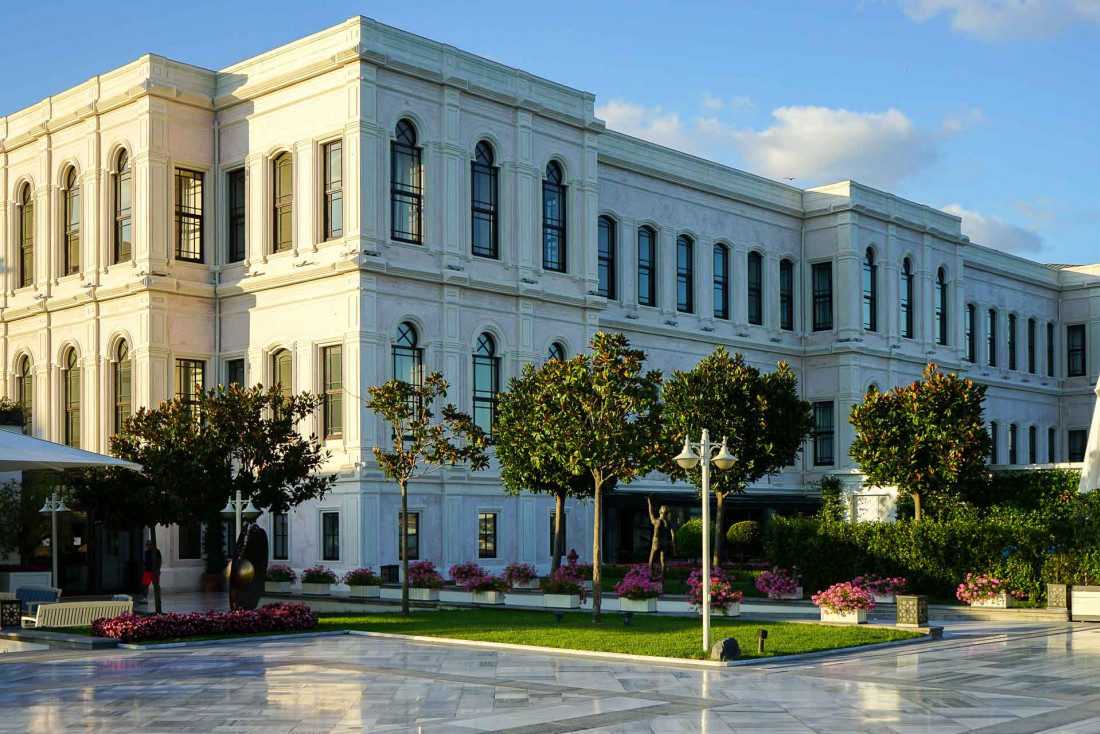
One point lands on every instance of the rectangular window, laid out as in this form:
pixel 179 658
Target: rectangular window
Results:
pixel 721 282
pixel 564 530
pixel 605 259
pixel 282 230
pixel 330 536
pixel 1075 445
pixel 647 267
pixel 234 372
pixel 280 537
pixel 487 535
pixel 971 334
pixel 190 541
pixel 824 435
pixel 1031 346
pixel 685 275
pixel 333 156
pixel 1012 341
pixel 756 288
pixel 190 381
pixel 237 208
pixel 1052 446
pixel 993 453
pixel 1075 350
pixel 786 295
pixel 991 338
pixel 1013 454
pixel 406 187
pixel 1050 350
pixel 413 536
pixel 188 215
pixel 822 277
pixel 1032 445
pixel 333 406
pixel 229 539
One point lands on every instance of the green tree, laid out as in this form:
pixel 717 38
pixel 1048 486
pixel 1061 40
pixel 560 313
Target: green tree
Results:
pixel 928 438
pixel 742 535
pixel 759 415
pixel 422 445
pixel 601 418
pixel 22 526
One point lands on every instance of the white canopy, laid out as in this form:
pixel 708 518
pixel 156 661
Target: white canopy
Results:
pixel 1090 472
pixel 24 453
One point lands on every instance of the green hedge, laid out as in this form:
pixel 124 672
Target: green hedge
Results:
pixel 689 539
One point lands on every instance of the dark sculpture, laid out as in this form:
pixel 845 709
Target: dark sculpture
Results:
pixel 249 568
pixel 663 542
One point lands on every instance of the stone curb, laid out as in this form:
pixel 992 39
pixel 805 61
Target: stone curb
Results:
pixel 230 640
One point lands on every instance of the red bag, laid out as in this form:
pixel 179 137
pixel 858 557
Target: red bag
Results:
pixel 146 578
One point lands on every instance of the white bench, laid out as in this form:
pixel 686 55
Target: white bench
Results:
pixel 75 613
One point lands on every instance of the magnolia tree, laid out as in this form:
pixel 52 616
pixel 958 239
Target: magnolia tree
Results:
pixel 928 438
pixel 422 445
pixel 759 415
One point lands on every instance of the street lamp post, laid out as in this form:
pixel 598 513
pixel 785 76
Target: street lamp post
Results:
pixel 53 506
pixel 237 507
pixel 688 459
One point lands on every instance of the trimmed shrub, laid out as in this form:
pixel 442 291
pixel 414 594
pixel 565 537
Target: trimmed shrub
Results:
pixel 741 535
pixel 131 627
pixel 689 539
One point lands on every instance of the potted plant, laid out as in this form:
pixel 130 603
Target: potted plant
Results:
pixel 521 576
pixel 986 591
pixel 279 578
pixel 462 573
pixel 424 581
pixel 844 603
pixel 487 589
pixel 724 599
pixel 564 589
pixel 363 582
pixel 318 580
pixel 883 589
pixel 780 583
pixel 639 589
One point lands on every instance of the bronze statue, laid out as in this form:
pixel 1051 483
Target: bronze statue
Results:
pixel 249 568
pixel 663 542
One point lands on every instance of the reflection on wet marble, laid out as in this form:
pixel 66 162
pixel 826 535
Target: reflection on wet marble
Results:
pixel 1024 678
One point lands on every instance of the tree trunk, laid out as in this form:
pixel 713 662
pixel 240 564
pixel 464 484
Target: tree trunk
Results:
pixel 404 541
pixel 916 505
pixel 597 575
pixel 156 568
pixel 719 536
pixel 559 525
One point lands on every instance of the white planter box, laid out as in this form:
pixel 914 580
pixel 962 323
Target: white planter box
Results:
pixel 561 601
pixel 796 595
pixel 637 605
pixel 733 610
pixel 1000 601
pixel 587 585
pixel 277 587
pixel 884 598
pixel 424 594
pixel 365 592
pixel 488 597
pixel 857 616
pixel 15 580
pixel 316 589
pixel 533 585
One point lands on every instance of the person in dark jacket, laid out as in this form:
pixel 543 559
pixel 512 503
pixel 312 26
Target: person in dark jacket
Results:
pixel 150 565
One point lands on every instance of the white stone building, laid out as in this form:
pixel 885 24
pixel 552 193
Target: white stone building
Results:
pixel 338 210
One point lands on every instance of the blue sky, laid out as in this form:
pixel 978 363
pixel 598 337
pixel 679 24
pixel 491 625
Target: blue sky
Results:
pixel 989 108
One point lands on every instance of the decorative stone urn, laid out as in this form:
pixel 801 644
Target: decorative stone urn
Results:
pixel 644 606
pixel 855 616
pixel 365 592
pixel 561 601
pixel 912 610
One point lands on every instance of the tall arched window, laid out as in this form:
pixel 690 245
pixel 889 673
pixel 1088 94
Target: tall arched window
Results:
pixel 991 337
pixel 786 295
pixel 941 307
pixel 685 274
pixel 282 197
pixel 406 186
pixel 556 351
pixel 906 296
pixel 26 237
pixel 1031 337
pixel 721 282
pixel 755 277
pixel 70 226
pixel 408 362
pixel 553 218
pixel 24 392
pixel 971 328
pixel 282 372
pixel 486 383
pixel 870 291
pixel 1011 341
pixel 605 258
pixel 124 199
pixel 483 202
pixel 647 267
pixel 70 381
pixel 123 384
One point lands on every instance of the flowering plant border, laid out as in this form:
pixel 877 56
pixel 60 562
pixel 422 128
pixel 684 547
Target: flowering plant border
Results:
pixel 639 583
pixel 844 597
pixel 318 574
pixel 462 573
pixel 779 582
pixel 280 572
pixel 882 585
pixel 130 627
pixel 519 573
pixel 362 577
pixel 975 588
pixel 565 581
pixel 722 593
pixel 423 575
pixel 487 583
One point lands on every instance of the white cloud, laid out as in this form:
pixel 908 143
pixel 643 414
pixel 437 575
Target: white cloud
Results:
pixel 649 123
pixel 995 232
pixel 1006 20
pixel 711 103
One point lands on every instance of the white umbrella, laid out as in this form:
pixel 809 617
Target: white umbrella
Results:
pixel 1090 472
pixel 24 453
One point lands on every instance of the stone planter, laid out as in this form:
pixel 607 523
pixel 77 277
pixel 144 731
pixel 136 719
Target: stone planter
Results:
pixel 587 585
pixel 733 610
pixel 912 610
pixel 796 595
pixel 884 598
pixel 423 594
pixel 316 589
pixel 561 601
pixel 856 616
pixel 532 585
pixel 645 606
pixel 1084 603
pixel 488 597
pixel 277 587
pixel 1057 596
pixel 365 592
pixel 998 601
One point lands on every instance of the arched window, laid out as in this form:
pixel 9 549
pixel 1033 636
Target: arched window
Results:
pixel 991 337
pixel 786 295
pixel 553 218
pixel 282 193
pixel 1050 349
pixel 282 372
pixel 971 328
pixel 26 237
pixel 1031 337
pixel 70 381
pixel 406 186
pixel 756 288
pixel 70 226
pixel 906 296
pixel 685 274
pixel 124 199
pixel 1011 341
pixel 605 258
pixel 647 267
pixel 483 202
pixel 24 392
pixel 486 383
pixel 123 384
pixel 556 351
pixel 721 282
pixel 408 362
pixel 870 291
pixel 941 307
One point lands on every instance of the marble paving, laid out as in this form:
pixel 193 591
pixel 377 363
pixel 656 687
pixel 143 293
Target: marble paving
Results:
pixel 984 678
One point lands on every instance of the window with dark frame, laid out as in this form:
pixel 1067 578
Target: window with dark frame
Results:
pixel 190 541
pixel 1052 445
pixel 26 237
pixel 332 154
pixel 24 388
pixel 190 381
pixel 280 536
pixel 1050 349
pixel 282 372
pixel 487 535
pixel 189 215
pixel 824 434
pixel 486 383
pixel 971 333
pixel 234 372
pixel 1011 341
pixel 906 298
pixel 991 337
pixel 330 536
pixel 1075 350
pixel 647 267
pixel 605 258
pixel 870 291
pixel 406 186
pixel 71 223
pixel 821 277
pixel 786 295
pixel 755 278
pixel 413 535
pixel 685 274
pixel 122 241
pixel 553 219
pixel 1032 445
pixel 332 407
pixel 1031 346
pixel 993 438
pixel 556 351
pixel 237 208
pixel 1075 445
pixel 71 383
pixel 282 231
pixel 721 282
pixel 941 307
pixel 408 359
pixel 484 198
pixel 1013 444
pixel 122 379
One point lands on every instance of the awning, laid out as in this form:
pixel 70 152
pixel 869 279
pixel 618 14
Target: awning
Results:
pixel 24 453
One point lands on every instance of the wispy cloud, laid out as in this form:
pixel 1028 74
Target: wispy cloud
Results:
pixel 991 231
pixel 1006 20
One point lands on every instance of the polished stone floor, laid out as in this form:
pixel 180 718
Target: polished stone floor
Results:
pixel 1027 678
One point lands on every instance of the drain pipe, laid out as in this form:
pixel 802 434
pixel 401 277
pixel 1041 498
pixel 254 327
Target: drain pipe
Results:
pixel 217 256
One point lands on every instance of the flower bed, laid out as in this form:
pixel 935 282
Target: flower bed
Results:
pixel 723 596
pixel 780 583
pixel 131 627
pixel 422 575
pixel 521 576
pixel 363 582
pixel 882 588
pixel 844 602
pixel 639 583
pixel 566 581
pixel 318 575
pixel 462 573
pixel 280 572
pixel 985 590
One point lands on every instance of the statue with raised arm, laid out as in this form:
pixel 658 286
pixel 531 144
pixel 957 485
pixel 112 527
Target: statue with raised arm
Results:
pixel 664 537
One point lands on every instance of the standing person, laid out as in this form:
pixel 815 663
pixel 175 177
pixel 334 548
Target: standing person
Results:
pixel 150 565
